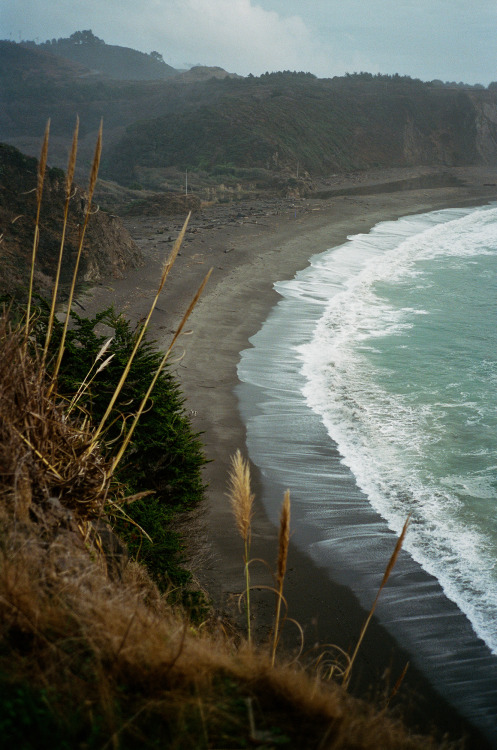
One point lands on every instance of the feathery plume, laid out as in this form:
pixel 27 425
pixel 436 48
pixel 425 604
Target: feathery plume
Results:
pixel 240 494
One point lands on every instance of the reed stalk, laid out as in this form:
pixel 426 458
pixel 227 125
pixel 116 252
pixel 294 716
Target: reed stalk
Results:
pixel 397 686
pixel 71 166
pixel 91 374
pixel 283 544
pixel 242 500
pixel 163 361
pixel 386 576
pixel 42 165
pixel 91 190
pixel 165 272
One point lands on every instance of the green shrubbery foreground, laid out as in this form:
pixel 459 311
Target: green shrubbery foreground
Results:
pixel 164 459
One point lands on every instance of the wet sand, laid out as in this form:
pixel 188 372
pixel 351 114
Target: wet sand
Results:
pixel 250 246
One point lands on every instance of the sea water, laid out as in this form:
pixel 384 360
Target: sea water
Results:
pixel 385 348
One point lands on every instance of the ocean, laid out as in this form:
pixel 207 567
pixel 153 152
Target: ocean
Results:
pixel 371 392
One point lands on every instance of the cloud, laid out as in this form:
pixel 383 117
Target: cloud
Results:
pixel 220 32
pixel 239 35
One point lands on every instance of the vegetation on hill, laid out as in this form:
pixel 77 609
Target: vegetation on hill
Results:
pixel 278 125
pixel 164 458
pixel 280 121
pixel 120 63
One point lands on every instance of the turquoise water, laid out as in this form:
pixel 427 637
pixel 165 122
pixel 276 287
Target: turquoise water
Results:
pixel 371 392
pixel 402 367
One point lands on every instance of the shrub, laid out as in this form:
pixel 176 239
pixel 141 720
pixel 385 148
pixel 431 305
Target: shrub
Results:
pixel 164 457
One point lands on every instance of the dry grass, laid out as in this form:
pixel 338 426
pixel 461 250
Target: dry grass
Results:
pixel 240 495
pixel 71 167
pixel 339 664
pixel 105 650
pixel 384 580
pixel 91 189
pixel 43 456
pixel 283 545
pixel 42 165
pixel 165 273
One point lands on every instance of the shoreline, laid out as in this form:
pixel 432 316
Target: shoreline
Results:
pixel 248 257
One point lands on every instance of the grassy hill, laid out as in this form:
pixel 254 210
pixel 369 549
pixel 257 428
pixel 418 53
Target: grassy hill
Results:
pixel 288 122
pixel 254 130
pixel 113 61
pixel 91 654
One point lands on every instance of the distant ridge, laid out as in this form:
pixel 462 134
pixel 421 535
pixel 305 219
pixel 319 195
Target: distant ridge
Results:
pixel 112 61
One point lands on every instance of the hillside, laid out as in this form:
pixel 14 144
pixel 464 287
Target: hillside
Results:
pixel 108 248
pixel 265 133
pixel 286 123
pixel 113 61
pixel 92 656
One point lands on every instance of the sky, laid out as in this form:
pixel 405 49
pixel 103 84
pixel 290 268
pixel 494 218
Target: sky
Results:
pixel 451 40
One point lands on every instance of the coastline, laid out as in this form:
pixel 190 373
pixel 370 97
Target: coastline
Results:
pixel 248 257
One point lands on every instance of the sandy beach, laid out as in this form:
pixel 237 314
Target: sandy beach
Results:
pixel 250 246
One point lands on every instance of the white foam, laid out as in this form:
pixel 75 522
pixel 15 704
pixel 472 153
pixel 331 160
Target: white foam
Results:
pixel 382 452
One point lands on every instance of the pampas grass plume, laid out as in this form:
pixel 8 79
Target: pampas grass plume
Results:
pixel 240 495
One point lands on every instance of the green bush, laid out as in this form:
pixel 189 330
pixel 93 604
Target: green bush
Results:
pixel 164 457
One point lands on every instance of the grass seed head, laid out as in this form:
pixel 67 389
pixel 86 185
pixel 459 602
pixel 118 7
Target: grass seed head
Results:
pixel 240 494
pixel 71 165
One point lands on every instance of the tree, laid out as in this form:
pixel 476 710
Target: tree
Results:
pixel 85 37
pixel 156 56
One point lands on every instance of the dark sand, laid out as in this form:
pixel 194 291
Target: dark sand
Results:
pixel 250 246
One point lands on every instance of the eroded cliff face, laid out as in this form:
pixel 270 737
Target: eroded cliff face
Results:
pixel 108 249
pixel 486 130
pixel 462 133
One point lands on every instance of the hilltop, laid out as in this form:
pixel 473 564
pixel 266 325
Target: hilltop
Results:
pixel 113 61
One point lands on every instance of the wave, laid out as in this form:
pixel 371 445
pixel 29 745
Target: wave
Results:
pixel 385 435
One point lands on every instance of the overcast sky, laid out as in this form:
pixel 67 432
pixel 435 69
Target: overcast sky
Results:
pixel 427 39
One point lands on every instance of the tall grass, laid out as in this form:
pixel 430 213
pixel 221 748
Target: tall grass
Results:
pixel 165 273
pixel 71 166
pixel 159 369
pixel 91 189
pixel 242 501
pixel 386 576
pixel 283 545
pixel 42 165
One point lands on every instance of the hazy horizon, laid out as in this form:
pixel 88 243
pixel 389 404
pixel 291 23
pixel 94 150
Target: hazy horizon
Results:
pixel 442 39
